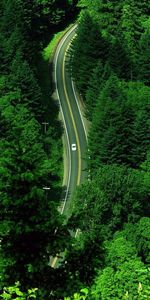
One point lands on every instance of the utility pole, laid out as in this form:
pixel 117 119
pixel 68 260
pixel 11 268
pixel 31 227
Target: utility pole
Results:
pixel 46 191
pixel 45 123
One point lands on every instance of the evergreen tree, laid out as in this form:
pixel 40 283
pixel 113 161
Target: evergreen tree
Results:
pixel 142 239
pixel 91 46
pixel 131 28
pixel 97 80
pixel 119 60
pixel 111 131
pixel 23 79
pixel 115 195
pixel 140 138
pixel 29 214
pixel 106 13
pixel 144 56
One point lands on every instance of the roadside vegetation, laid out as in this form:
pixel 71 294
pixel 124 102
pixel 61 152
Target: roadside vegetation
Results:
pixel 109 59
pixel 31 143
pixel 111 210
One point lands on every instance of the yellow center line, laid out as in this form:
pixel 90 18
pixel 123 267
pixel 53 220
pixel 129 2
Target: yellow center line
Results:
pixel 72 117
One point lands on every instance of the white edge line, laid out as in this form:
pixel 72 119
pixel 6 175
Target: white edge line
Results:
pixel 73 88
pixel 55 78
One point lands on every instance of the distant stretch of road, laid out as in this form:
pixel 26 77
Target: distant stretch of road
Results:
pixel 72 119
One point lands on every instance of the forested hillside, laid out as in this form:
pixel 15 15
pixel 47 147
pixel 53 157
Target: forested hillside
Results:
pixel 110 66
pixel 30 156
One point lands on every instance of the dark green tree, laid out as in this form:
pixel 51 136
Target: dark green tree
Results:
pixel 29 214
pixel 131 29
pixel 119 60
pixel 96 83
pixel 23 79
pixel 144 56
pixel 111 130
pixel 91 46
pixel 140 139
pixel 106 13
pixel 116 195
pixel 142 239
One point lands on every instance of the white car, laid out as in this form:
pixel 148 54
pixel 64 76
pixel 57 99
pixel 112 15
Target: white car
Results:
pixel 73 147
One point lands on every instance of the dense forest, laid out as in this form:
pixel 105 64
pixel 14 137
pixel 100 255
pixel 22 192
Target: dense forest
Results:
pixel 30 156
pixel 110 258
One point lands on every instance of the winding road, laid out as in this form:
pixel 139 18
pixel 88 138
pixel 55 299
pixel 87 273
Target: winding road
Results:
pixel 72 119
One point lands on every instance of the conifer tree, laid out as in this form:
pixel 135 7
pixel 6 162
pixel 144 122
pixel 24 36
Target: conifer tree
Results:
pixel 142 239
pixel 140 138
pixel 144 56
pixel 28 213
pixel 120 61
pixel 96 83
pixel 131 28
pixel 111 131
pixel 23 79
pixel 91 46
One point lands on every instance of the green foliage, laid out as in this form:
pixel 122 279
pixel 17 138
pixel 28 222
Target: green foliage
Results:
pixel 142 239
pixel 97 81
pixel 15 293
pixel 24 80
pixel 125 276
pixel 119 60
pixel 79 296
pixel 111 45
pixel 49 50
pixel 120 129
pixel 144 56
pixel 125 281
pixel 131 27
pixel 94 46
pixel 30 157
pixel 101 207
pixel 111 131
pixel 119 250
pixel 113 79
pixel 114 196
pixel 28 212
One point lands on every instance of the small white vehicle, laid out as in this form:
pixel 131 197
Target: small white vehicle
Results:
pixel 73 147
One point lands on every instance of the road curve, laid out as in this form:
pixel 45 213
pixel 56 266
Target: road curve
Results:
pixel 72 119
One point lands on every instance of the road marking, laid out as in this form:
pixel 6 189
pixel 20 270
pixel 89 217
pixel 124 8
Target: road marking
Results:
pixel 72 117
pixel 73 88
pixel 57 92
pixel 54 262
pixel 55 76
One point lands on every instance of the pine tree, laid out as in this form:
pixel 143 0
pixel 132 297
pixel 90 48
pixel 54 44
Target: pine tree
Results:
pixel 144 56
pixel 140 138
pixel 120 61
pixel 106 13
pixel 28 213
pixel 111 131
pixel 91 46
pixel 142 239
pixel 23 79
pixel 96 83
pixel 131 29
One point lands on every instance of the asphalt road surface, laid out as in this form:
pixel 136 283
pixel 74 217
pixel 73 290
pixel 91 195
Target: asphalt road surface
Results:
pixel 72 119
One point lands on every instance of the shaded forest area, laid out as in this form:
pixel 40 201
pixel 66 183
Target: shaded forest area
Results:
pixel 30 156
pixel 110 258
